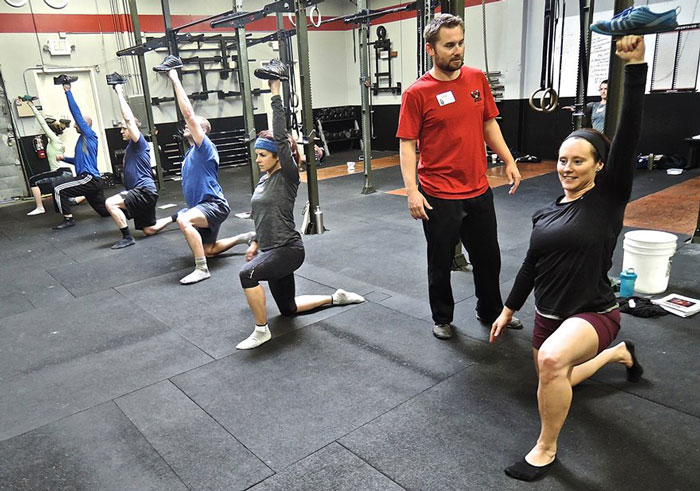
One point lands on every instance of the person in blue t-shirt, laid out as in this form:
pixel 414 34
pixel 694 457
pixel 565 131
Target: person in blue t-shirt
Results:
pixel 139 199
pixel 207 206
pixel 87 181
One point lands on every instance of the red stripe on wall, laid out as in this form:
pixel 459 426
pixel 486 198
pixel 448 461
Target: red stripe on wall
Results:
pixel 104 23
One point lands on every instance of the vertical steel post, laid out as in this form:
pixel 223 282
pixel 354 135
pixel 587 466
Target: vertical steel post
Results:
pixel 586 8
pixel 424 16
pixel 247 100
pixel 284 58
pixel 133 10
pixel 616 70
pixel 307 119
pixel 175 51
pixel 365 84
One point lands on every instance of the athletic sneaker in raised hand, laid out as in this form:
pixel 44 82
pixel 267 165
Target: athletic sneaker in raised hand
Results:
pixel 168 64
pixel 637 21
pixel 116 79
pixel 273 70
pixel 64 79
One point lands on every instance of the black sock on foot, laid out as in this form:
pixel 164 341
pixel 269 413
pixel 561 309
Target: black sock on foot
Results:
pixel 527 472
pixel 125 232
pixel 634 373
pixel 173 217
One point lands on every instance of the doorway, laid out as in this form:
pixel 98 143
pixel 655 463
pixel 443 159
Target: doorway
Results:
pixel 12 180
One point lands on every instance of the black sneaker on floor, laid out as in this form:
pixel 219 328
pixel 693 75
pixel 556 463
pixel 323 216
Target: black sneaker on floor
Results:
pixel 64 79
pixel 515 323
pixel 274 70
pixel 116 79
pixel 67 222
pixel 168 64
pixel 442 331
pixel 126 242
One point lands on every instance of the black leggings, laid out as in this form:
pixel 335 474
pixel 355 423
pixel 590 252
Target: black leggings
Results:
pixel 276 266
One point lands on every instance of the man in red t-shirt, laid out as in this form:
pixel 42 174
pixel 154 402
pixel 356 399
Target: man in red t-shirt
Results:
pixel 449 113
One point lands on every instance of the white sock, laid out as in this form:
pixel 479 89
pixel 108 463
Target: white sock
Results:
pixel 195 276
pixel 36 211
pixel 341 297
pixel 260 335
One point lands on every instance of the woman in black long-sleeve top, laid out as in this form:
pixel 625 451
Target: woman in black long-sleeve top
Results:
pixel 570 254
pixel 277 250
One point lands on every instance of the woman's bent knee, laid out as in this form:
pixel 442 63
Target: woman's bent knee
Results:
pixel 247 281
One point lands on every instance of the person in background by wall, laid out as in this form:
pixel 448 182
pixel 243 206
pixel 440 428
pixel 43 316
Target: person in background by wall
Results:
pixel 208 208
pixel 450 114
pixel 44 182
pixel 595 111
pixel 87 181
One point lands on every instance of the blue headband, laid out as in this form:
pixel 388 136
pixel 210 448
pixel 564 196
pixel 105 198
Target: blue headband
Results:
pixel 265 144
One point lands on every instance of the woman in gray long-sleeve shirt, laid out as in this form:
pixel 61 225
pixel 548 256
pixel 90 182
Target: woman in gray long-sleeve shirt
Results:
pixel 277 251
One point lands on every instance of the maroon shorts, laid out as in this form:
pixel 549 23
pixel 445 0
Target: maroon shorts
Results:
pixel 606 325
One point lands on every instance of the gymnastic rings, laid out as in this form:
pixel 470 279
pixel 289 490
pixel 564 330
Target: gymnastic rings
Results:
pixel 16 3
pixel 545 107
pixel 314 22
pixel 56 4
pixel 317 22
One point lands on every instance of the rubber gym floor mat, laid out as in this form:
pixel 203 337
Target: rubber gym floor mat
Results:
pixel 485 418
pixel 94 449
pixel 177 429
pixel 674 209
pixel 332 464
pixel 336 386
pixel 216 327
pixel 59 360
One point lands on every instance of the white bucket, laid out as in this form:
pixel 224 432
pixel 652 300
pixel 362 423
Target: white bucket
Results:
pixel 649 252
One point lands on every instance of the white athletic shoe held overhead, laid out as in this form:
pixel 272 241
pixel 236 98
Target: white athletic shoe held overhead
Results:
pixel 341 297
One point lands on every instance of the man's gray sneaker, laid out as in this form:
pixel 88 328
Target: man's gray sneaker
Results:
pixel 442 331
pixel 168 64
pixel 274 70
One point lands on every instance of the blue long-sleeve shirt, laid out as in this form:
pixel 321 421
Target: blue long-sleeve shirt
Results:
pixel 85 158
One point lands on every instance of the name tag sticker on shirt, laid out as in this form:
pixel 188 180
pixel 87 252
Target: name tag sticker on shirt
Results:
pixel 445 98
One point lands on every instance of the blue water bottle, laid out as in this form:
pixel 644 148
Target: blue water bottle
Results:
pixel 627 278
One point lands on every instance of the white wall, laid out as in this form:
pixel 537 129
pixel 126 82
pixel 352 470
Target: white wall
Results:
pixel 514 50
pixel 22 55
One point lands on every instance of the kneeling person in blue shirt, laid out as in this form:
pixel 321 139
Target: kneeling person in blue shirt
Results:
pixel 139 199
pixel 88 181
pixel 207 206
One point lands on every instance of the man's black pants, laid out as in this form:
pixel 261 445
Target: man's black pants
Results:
pixel 472 220
pixel 83 185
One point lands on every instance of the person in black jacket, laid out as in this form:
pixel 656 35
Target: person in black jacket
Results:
pixel 570 254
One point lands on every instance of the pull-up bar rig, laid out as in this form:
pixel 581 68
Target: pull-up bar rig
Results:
pixel 239 20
